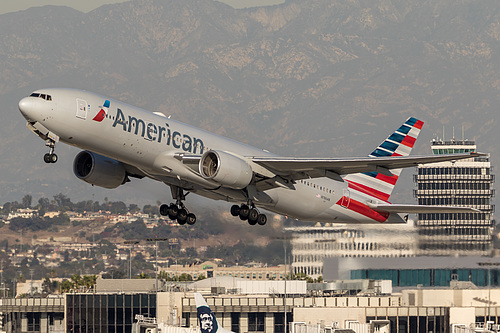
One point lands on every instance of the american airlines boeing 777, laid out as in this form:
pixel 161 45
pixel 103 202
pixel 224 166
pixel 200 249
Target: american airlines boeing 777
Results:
pixel 120 141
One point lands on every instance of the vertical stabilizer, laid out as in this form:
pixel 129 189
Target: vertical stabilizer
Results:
pixel 208 322
pixel 399 143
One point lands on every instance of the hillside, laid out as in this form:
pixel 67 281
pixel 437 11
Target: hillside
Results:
pixel 308 77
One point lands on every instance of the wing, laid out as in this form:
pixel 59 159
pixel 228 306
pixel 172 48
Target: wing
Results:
pixel 420 209
pixel 300 168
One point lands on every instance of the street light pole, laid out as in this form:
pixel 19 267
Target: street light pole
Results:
pixel 156 240
pixel 284 239
pixel 131 243
pixel 284 246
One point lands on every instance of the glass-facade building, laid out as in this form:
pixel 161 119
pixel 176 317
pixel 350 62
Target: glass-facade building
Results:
pixel 457 183
pixel 112 313
pixel 430 277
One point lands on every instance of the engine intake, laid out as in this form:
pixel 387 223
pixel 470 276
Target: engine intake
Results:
pixel 225 169
pixel 99 170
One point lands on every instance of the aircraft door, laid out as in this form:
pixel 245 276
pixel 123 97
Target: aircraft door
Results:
pixel 346 198
pixel 81 109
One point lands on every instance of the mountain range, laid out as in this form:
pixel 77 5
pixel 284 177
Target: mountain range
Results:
pixel 329 78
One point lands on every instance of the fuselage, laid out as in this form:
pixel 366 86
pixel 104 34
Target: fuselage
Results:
pixel 152 142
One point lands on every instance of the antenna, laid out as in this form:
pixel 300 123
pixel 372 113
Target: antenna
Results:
pixel 463 133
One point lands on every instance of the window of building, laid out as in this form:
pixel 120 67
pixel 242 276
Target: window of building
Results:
pixel 256 321
pixel 235 322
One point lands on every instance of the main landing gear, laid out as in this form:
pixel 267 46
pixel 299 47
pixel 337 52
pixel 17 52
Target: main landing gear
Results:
pixel 178 211
pixel 50 157
pixel 249 212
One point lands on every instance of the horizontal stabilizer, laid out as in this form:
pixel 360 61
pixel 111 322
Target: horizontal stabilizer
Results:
pixel 420 209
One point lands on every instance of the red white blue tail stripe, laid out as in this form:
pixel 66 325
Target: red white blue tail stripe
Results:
pixel 399 143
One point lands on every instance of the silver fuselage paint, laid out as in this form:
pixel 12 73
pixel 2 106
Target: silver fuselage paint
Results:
pixel 149 142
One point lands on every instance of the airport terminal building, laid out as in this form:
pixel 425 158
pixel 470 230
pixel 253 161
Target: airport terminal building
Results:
pixel 353 305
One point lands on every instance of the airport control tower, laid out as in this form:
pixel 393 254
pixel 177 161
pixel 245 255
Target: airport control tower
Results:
pixel 461 183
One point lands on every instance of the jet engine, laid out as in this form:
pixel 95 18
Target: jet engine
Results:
pixel 99 170
pixel 225 169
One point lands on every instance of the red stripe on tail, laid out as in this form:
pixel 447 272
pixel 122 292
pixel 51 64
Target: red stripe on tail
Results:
pixel 409 141
pixel 363 209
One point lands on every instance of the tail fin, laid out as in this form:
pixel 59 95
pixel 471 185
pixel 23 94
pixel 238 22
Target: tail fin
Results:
pixel 399 143
pixel 208 322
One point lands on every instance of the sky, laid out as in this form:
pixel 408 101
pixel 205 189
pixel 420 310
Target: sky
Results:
pixel 7 6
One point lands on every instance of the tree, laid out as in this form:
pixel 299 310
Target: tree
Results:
pixel 133 208
pixel 63 202
pixel 66 286
pixel 185 277
pixel 44 203
pixel 27 201
pixel 89 281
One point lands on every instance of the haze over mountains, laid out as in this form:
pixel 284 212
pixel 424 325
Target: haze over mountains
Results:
pixel 305 78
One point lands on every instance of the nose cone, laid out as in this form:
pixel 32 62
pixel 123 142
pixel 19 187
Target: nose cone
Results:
pixel 27 108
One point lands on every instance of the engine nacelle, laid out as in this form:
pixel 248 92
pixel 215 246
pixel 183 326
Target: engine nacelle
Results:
pixel 225 169
pixel 99 170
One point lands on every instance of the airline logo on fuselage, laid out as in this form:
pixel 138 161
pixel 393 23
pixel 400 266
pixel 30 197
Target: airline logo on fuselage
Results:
pixel 152 132
pixel 102 113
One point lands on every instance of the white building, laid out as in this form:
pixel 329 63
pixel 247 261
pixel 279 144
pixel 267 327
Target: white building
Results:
pixel 311 245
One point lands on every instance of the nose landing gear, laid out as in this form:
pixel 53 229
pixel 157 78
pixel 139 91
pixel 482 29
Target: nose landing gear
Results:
pixel 250 213
pixel 50 157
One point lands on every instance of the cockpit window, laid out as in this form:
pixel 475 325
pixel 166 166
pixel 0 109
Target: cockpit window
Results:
pixel 42 96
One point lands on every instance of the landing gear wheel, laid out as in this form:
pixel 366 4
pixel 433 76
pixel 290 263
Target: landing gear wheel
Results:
pixel 253 215
pixel 191 219
pixel 173 211
pixel 50 158
pixel 252 222
pixel 262 219
pixel 235 210
pixel 164 210
pixel 182 216
pixel 244 212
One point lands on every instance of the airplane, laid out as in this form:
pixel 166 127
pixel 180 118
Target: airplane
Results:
pixel 208 322
pixel 120 142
